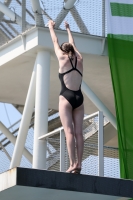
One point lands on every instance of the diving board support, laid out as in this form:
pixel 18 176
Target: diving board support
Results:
pixel 25 122
pixel 6 3
pixel 13 16
pixel 68 5
pixel 12 139
pixel 79 21
pixel 37 12
pixel 98 103
pixel 41 108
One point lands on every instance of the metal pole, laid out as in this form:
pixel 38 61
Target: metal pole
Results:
pixel 41 109
pixel 68 5
pixel 13 16
pixel 62 150
pixel 37 12
pixel 79 21
pixel 6 4
pixel 5 151
pixel 99 104
pixel 103 18
pixel 25 122
pixel 23 15
pixel 12 138
pixel 100 145
pixel 61 16
pixel 4 9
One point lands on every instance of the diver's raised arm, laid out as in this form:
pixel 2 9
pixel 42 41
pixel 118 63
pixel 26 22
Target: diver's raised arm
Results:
pixel 71 39
pixel 54 37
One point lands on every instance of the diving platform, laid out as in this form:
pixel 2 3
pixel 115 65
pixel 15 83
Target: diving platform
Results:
pixel 29 78
pixel 32 184
pixel 18 58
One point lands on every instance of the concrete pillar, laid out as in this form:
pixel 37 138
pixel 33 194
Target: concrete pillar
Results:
pixel 25 122
pixel 41 109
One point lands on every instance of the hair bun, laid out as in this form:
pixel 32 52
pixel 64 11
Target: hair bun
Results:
pixel 68 49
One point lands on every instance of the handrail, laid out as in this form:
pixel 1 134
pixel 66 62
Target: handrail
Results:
pixel 61 128
pixel 99 146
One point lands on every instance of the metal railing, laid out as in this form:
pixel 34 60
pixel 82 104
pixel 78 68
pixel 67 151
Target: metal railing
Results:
pixel 53 161
pixel 62 142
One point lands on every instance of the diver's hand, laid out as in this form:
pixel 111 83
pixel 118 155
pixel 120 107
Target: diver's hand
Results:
pixel 66 25
pixel 51 24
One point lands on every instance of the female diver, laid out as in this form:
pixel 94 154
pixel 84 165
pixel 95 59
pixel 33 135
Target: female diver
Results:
pixel 71 108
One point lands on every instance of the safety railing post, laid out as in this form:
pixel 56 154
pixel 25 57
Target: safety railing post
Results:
pixel 62 150
pixel 23 15
pixel 103 18
pixel 100 145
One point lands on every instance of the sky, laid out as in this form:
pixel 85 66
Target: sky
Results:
pixel 8 114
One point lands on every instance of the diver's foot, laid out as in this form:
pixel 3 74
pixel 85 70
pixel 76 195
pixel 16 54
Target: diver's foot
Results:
pixel 71 168
pixel 76 171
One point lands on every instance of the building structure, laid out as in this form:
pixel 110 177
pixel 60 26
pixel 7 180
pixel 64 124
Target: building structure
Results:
pixel 29 78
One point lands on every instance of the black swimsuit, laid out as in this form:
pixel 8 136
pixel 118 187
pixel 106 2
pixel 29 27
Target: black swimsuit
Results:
pixel 75 98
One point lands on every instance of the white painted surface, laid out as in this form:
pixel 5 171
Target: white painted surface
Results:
pixel 51 133
pixel 15 47
pixel 99 104
pixel 69 4
pixel 39 38
pixel 41 108
pixel 12 138
pixel 4 9
pixel 60 130
pixel 100 145
pixel 62 151
pixel 37 12
pixel 7 180
pixel 25 122
pixel 13 16
pixel 17 65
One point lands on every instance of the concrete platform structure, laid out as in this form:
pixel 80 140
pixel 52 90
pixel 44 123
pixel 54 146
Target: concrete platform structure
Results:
pixel 32 184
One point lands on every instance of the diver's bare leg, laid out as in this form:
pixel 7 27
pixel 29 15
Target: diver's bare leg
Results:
pixel 78 115
pixel 65 111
